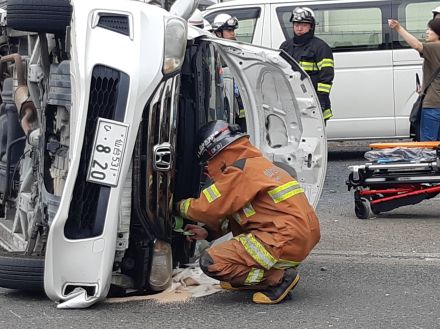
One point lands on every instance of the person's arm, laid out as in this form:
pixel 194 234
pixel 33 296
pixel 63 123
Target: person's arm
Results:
pixel 326 74
pixel 408 37
pixel 219 199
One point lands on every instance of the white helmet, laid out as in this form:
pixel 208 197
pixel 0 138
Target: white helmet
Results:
pixel 196 19
pixel 435 11
pixel 206 26
pixel 303 15
pixel 224 21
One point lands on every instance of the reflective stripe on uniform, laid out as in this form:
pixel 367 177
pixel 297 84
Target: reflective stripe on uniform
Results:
pixel 257 251
pixel 211 193
pixel 248 210
pixel 183 206
pixel 324 87
pixel 282 264
pixel 254 276
pixel 242 114
pixel 327 114
pixel 285 191
pixel 326 62
pixel 308 66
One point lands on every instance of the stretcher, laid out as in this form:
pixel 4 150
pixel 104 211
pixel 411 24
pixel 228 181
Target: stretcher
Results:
pixel 389 183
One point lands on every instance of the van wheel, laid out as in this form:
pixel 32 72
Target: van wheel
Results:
pixel 47 16
pixel 22 272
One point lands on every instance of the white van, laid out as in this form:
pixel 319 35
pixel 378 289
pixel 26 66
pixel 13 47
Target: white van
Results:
pixel 374 85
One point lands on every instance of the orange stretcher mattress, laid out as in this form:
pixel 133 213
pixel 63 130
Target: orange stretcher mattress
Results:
pixel 428 145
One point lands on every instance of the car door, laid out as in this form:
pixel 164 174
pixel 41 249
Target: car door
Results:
pixel 283 116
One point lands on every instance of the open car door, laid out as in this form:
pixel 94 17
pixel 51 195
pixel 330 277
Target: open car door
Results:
pixel 283 115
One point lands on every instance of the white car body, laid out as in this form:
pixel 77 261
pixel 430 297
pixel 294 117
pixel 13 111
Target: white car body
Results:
pixel 118 85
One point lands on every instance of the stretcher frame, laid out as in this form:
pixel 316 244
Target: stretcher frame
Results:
pixel 383 187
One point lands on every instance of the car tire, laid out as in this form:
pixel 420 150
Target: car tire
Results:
pixel 22 272
pixel 48 16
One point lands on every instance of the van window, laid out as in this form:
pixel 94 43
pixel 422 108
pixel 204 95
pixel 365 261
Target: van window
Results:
pixel 247 18
pixel 350 27
pixel 415 17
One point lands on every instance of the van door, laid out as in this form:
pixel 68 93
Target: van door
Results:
pixel 362 93
pixel 414 15
pixel 283 117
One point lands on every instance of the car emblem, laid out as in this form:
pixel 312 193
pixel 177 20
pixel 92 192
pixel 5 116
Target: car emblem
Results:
pixel 162 157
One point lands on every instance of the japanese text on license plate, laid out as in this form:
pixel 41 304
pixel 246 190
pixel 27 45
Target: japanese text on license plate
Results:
pixel 107 153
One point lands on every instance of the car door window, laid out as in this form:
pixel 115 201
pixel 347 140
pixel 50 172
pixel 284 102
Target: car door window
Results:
pixel 247 19
pixel 351 27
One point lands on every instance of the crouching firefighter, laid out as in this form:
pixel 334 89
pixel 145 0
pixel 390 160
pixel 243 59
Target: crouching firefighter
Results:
pixel 273 224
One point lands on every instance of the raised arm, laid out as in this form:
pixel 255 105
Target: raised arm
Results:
pixel 408 37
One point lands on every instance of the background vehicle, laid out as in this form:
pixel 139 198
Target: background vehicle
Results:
pixel 374 86
pixel 130 127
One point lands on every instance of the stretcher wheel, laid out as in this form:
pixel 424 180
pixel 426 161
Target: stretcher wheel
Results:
pixel 362 208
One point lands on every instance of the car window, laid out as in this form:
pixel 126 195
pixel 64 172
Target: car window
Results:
pixel 413 16
pixel 247 19
pixel 350 27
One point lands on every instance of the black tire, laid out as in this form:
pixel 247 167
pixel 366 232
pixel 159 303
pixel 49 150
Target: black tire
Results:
pixel 22 272
pixel 362 208
pixel 48 16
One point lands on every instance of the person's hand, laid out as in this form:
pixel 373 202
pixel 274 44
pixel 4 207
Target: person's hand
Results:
pixel 199 232
pixel 394 24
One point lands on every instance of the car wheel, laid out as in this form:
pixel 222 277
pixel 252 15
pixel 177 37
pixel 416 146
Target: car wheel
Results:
pixel 48 16
pixel 22 272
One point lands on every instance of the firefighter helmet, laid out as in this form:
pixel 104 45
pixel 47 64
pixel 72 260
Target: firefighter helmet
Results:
pixel 303 15
pixel 207 26
pixel 196 19
pixel 214 137
pixel 224 22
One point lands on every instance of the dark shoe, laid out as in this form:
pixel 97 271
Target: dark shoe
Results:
pixel 276 294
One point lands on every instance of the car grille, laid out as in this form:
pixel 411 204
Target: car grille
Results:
pixel 115 23
pixel 108 99
pixel 153 186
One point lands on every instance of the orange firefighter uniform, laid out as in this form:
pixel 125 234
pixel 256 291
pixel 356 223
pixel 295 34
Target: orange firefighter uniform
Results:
pixel 273 224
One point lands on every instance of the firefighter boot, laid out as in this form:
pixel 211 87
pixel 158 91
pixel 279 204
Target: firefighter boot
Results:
pixel 277 293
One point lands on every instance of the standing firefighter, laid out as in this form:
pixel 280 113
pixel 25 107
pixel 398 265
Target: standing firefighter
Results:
pixel 224 26
pixel 313 54
pixel 273 224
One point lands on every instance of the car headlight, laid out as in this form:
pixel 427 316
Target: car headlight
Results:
pixel 175 44
pixel 161 266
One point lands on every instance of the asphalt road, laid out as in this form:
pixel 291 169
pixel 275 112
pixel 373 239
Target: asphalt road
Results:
pixel 377 273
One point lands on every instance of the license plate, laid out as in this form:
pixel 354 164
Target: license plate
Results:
pixel 107 153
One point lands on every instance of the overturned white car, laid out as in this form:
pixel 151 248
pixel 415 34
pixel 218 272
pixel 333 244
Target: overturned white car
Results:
pixel 101 101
